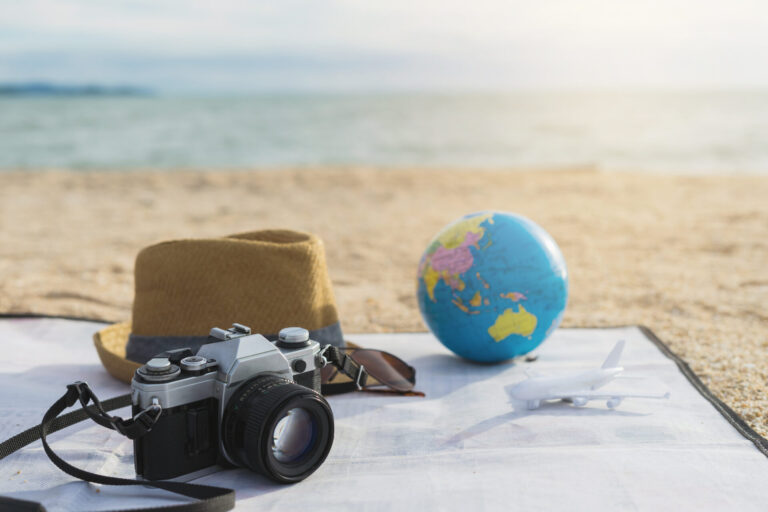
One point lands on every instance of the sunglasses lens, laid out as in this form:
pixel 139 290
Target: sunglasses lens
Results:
pixel 327 373
pixel 386 368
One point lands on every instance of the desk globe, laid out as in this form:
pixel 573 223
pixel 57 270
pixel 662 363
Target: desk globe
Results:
pixel 492 286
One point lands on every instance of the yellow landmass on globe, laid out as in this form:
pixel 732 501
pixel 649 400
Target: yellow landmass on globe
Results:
pixel 476 300
pixel 431 277
pixel 513 322
pixel 483 281
pixel 454 236
pixel 460 304
pixel 515 296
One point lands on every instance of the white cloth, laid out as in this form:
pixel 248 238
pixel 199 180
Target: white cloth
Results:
pixel 463 447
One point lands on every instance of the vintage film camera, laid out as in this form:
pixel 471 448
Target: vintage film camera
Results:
pixel 242 400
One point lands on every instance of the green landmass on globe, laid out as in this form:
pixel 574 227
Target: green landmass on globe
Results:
pixel 492 264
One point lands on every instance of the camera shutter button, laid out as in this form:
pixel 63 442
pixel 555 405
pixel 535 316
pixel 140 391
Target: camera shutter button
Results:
pixel 158 365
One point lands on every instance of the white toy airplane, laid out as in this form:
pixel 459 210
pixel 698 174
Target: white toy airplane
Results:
pixel 577 389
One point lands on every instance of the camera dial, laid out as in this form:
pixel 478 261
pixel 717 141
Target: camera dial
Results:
pixel 159 369
pixel 193 363
pixel 293 337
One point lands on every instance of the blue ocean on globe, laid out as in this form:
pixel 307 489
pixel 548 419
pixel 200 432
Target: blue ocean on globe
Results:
pixel 492 286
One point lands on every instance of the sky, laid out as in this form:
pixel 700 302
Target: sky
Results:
pixel 352 45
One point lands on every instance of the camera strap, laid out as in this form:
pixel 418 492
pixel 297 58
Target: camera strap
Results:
pixel 347 366
pixel 210 499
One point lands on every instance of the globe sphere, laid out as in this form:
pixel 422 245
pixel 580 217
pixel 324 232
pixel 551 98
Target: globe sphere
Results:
pixel 492 286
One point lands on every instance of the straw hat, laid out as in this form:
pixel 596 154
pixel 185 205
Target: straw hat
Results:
pixel 266 280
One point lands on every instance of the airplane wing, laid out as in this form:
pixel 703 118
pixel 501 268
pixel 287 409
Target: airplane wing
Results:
pixel 591 395
pixel 581 398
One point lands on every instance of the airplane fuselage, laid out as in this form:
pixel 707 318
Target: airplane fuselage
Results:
pixel 540 388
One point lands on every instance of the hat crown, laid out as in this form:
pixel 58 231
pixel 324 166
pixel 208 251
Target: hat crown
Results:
pixel 265 279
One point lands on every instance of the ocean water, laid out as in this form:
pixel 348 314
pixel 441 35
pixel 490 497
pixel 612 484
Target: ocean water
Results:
pixel 724 132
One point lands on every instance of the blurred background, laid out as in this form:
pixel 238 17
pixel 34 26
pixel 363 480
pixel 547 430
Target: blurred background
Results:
pixel 673 86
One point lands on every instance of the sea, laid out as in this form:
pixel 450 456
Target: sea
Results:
pixel 661 131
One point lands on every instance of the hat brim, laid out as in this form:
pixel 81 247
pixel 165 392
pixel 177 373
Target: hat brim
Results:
pixel 110 344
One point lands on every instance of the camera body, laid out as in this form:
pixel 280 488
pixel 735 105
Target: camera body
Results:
pixel 228 404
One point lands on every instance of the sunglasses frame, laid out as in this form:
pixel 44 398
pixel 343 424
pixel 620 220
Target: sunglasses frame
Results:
pixel 374 387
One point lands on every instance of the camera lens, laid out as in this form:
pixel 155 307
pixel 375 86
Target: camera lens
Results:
pixel 293 436
pixel 278 428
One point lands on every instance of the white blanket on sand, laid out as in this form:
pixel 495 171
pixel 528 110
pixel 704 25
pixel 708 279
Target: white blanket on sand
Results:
pixel 463 447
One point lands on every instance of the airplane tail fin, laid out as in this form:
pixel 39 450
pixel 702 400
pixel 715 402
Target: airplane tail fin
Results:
pixel 612 360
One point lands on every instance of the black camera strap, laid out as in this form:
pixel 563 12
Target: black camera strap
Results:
pixel 210 499
pixel 347 366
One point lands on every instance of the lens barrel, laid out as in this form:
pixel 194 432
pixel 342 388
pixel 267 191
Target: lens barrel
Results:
pixel 277 428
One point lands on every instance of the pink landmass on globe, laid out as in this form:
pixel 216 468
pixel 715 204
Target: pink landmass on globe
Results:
pixel 454 282
pixel 515 296
pixel 457 260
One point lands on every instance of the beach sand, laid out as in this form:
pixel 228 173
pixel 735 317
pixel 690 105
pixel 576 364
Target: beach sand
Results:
pixel 684 255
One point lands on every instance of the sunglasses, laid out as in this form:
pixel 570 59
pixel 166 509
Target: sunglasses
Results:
pixel 387 373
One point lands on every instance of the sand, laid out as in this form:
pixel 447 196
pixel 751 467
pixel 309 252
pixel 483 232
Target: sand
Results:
pixel 684 255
